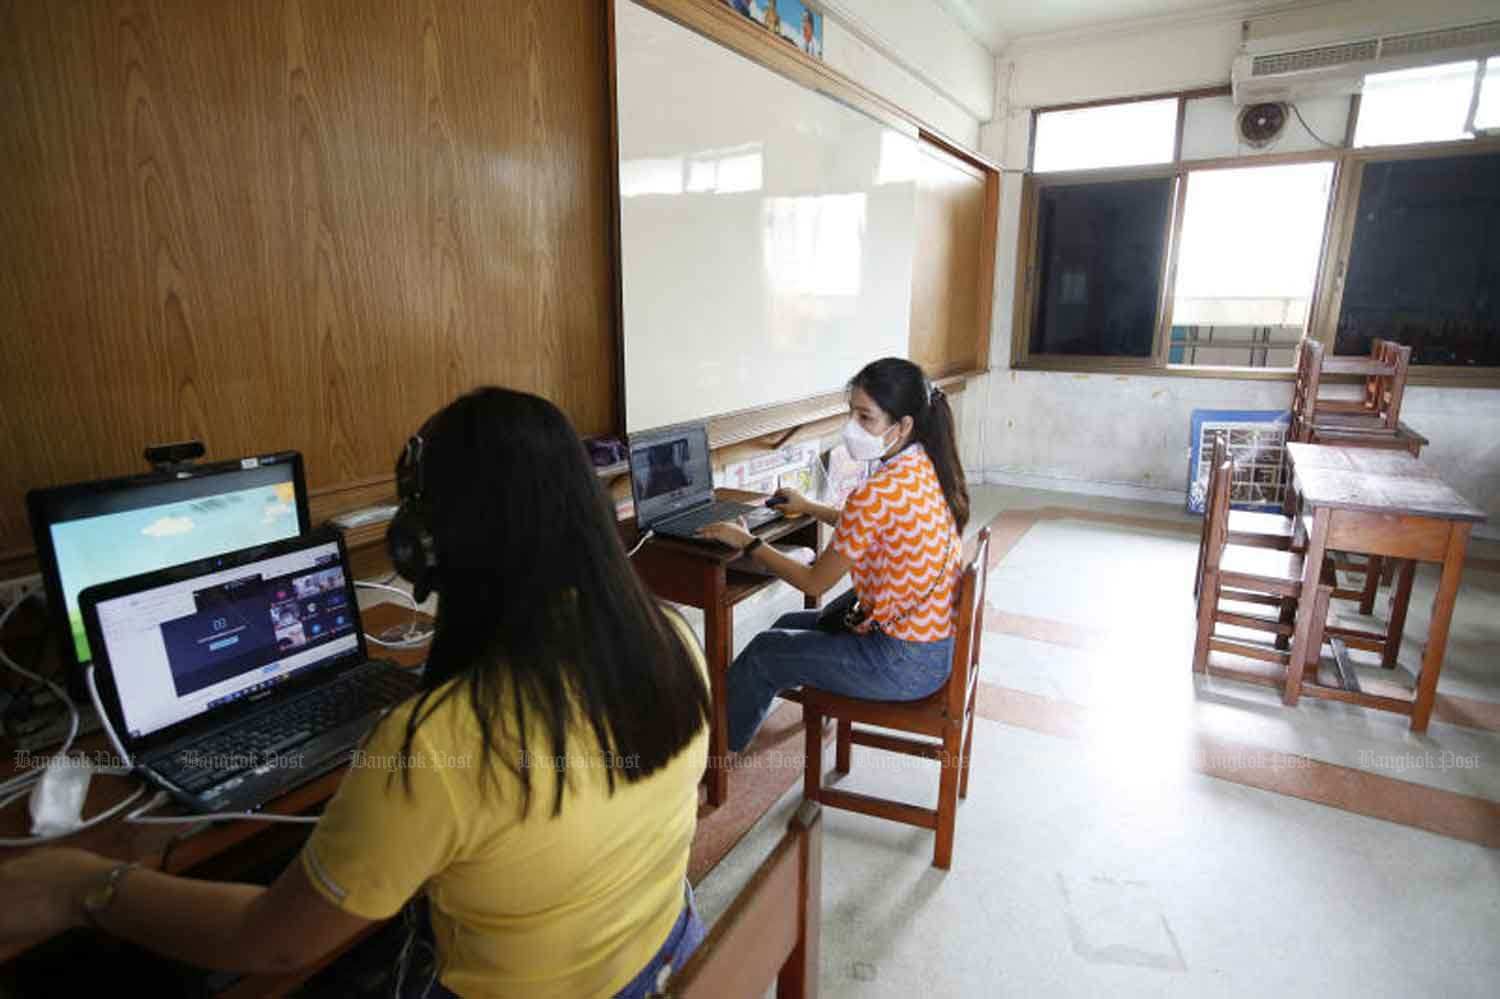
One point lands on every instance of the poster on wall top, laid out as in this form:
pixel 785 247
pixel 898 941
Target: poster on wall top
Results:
pixel 793 21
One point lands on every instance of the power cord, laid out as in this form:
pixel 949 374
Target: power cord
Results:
pixel 639 544
pixel 415 637
pixel 143 816
pixel 31 777
pixel 1316 137
pixel 24 785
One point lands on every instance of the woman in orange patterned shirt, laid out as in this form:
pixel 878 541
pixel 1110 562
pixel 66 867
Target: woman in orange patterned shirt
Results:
pixel 898 536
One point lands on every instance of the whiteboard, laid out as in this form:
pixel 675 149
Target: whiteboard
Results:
pixel 766 230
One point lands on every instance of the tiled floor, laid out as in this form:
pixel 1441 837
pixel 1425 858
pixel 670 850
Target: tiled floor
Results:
pixel 1134 830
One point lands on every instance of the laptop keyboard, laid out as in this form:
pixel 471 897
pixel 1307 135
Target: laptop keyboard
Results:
pixel 258 740
pixel 711 514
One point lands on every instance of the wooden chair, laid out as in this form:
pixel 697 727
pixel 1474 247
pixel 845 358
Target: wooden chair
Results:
pixel 947 716
pixel 1372 421
pixel 1246 527
pixel 770 931
pixel 1234 572
pixel 1366 401
pixel 1377 413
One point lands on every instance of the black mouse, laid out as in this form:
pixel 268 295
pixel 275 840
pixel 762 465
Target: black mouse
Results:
pixel 776 500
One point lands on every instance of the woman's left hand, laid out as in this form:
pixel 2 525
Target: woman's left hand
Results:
pixel 735 535
pixel 44 890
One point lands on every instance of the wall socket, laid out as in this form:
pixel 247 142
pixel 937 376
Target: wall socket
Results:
pixel 19 588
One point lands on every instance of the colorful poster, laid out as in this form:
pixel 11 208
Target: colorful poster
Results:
pixel 790 20
pixel 764 473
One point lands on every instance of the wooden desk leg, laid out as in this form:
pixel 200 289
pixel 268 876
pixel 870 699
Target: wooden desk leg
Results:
pixel 1396 614
pixel 1374 565
pixel 1306 609
pixel 1437 632
pixel 718 641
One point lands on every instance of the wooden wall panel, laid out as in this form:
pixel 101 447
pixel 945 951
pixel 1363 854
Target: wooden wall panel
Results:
pixel 947 326
pixel 294 224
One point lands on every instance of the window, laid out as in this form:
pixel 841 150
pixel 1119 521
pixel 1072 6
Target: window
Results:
pixel 1218 258
pixel 1102 250
pixel 1111 135
pixel 1443 103
pixel 1248 263
pixel 1487 107
pixel 1424 262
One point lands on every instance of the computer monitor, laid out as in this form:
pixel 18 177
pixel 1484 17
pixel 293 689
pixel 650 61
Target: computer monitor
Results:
pixel 96 532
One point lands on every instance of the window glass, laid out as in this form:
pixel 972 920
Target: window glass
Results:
pixel 1487 115
pixel 1101 251
pixel 1427 104
pixel 1424 263
pixel 1113 135
pixel 1251 240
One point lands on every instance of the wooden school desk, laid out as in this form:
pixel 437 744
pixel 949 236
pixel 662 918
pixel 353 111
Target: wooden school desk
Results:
pixel 216 851
pixel 1379 503
pixel 698 575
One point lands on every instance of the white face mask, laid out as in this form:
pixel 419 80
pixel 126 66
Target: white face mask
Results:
pixel 863 445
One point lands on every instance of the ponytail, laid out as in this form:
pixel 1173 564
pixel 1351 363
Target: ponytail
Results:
pixel 936 432
pixel 900 389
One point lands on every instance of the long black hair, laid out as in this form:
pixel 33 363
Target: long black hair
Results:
pixel 539 611
pixel 900 389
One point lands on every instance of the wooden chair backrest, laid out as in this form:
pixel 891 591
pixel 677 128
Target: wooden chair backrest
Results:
pixel 1388 405
pixel 971 589
pixel 1215 459
pixel 1305 389
pixel 770 931
pixel 1217 513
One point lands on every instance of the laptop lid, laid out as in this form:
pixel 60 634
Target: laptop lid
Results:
pixel 669 472
pixel 197 645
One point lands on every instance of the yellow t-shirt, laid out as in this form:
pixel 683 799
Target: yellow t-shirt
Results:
pixel 569 906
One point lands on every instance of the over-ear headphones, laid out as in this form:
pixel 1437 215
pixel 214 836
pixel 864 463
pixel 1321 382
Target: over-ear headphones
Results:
pixel 409 540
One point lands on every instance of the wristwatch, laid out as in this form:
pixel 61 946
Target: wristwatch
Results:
pixel 754 544
pixel 100 898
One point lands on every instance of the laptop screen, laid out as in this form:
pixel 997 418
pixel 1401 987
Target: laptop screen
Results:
pixel 188 646
pixel 669 472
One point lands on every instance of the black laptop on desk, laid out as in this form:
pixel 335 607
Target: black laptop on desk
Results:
pixel 233 679
pixel 672 484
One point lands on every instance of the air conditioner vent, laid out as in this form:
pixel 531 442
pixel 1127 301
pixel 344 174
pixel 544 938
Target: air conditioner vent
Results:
pixel 1319 58
pixel 1419 42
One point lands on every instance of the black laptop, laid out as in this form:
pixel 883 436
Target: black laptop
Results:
pixel 672 484
pixel 232 679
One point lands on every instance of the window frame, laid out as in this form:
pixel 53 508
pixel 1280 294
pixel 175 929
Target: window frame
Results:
pixel 1338 235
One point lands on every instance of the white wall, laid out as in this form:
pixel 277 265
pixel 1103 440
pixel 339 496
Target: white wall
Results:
pixel 934 47
pixel 915 56
pixel 1127 435
pixel 926 64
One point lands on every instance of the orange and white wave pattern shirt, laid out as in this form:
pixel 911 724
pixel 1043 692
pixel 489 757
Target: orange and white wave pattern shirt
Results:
pixel 898 531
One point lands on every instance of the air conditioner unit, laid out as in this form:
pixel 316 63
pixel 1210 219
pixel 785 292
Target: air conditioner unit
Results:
pixel 1335 68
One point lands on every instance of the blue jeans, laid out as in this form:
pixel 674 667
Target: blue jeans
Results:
pixel 795 653
pixel 686 934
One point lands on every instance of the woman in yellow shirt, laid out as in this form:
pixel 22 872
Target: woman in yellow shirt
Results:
pixel 540 792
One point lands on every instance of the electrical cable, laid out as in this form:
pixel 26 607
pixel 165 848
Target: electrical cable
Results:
pixel 414 638
pixel 103 816
pixel 62 696
pixel 26 782
pixel 143 816
pixel 1316 137
pixel 644 538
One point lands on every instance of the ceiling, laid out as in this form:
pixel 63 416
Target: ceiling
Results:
pixel 997 22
